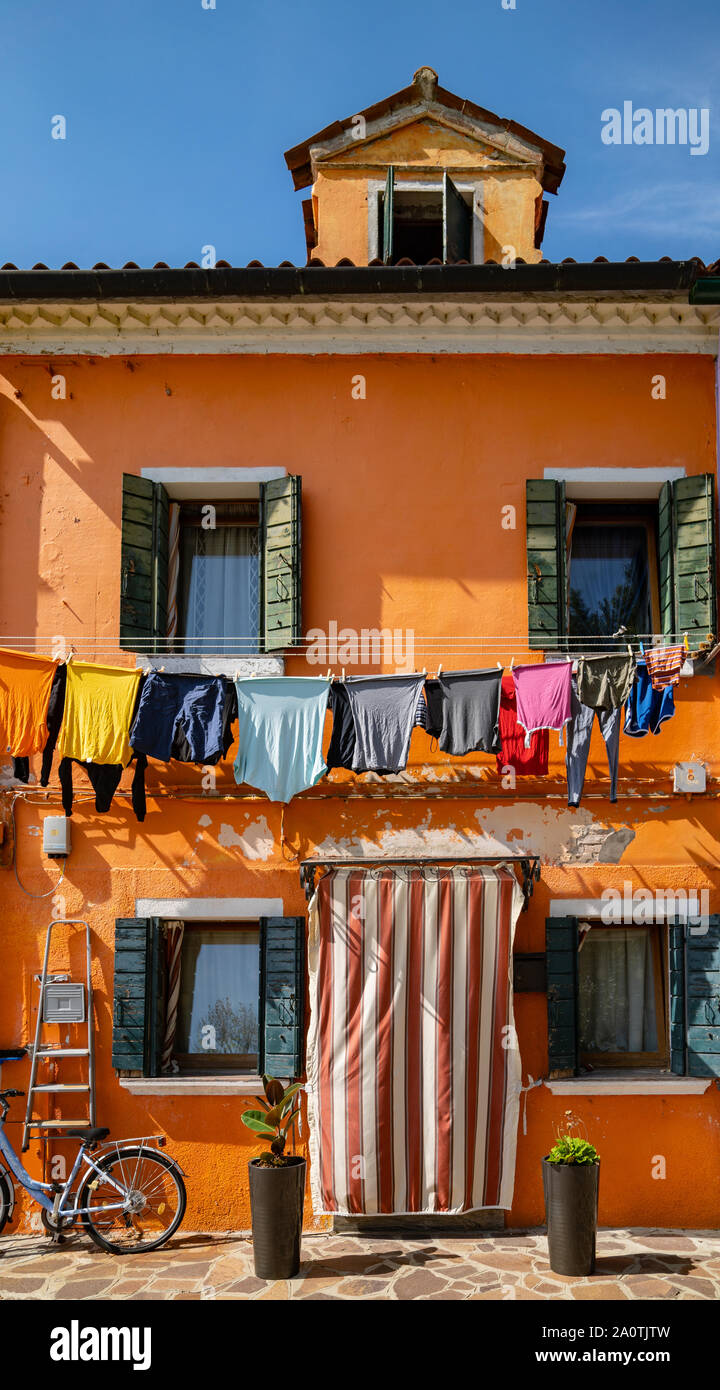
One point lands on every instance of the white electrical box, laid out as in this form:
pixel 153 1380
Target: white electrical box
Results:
pixel 64 1003
pixel 56 836
pixel 689 777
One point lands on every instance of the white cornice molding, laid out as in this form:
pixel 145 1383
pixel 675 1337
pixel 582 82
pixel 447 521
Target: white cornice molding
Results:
pixel 367 325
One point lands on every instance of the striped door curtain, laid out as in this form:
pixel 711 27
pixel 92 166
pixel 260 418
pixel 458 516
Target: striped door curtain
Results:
pixel 413 1068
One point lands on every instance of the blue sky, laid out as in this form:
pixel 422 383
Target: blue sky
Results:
pixel 178 116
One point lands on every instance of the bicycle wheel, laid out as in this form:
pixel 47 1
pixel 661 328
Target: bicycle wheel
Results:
pixel 157 1201
pixel 6 1199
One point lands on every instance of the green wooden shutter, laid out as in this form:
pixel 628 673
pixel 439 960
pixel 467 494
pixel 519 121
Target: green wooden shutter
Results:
pixel 281 535
pixel 388 216
pixel 138 995
pixel 144 565
pixel 694 556
pixel 676 980
pixel 282 996
pixel 561 955
pixel 546 565
pixel 457 224
pixel 702 997
pixel 666 561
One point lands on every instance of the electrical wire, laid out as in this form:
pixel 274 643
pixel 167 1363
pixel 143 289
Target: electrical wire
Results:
pixel 20 797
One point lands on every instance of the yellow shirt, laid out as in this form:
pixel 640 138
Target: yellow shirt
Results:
pixel 99 706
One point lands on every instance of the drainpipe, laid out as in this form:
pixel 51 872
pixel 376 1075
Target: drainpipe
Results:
pixel 707 291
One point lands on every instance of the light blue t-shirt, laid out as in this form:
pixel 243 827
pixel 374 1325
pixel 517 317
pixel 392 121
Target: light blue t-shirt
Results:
pixel 280 732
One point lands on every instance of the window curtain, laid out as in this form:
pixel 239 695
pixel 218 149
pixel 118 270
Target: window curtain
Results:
pixel 413 1068
pixel 173 572
pixel 173 933
pixel 609 581
pixel 617 991
pixel 220 588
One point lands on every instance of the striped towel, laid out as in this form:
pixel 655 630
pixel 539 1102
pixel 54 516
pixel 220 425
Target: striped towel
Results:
pixel 664 665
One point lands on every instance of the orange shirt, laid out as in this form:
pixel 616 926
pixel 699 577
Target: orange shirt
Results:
pixel 25 683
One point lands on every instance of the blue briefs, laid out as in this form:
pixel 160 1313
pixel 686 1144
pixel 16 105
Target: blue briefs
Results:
pixel 647 709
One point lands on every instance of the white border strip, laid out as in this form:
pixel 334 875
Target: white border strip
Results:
pixel 655 911
pixel 210 909
pixel 631 1086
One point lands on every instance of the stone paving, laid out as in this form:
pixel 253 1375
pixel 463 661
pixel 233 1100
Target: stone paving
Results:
pixel 630 1265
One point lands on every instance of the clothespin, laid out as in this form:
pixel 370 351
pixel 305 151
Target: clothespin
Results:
pixel 343 673
pixel 424 670
pixel 439 669
pixel 629 649
pixel 161 668
pixel 499 665
pixel 512 662
pixel 329 674
pixel 685 642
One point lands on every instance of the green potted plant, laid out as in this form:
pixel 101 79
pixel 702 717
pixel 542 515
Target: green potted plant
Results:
pixel 571 1175
pixel 277 1185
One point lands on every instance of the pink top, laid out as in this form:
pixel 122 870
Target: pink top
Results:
pixel 543 695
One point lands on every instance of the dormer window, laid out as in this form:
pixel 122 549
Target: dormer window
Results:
pixel 423 222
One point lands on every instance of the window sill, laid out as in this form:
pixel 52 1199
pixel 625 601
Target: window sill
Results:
pixel 192 1085
pixel 229 666
pixel 630 1084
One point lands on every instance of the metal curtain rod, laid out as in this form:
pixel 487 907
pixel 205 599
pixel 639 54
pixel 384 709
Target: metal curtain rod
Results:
pixel 529 863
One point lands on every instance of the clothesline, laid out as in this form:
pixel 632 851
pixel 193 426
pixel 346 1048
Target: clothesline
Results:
pixel 104 716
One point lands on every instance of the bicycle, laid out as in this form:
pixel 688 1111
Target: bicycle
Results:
pixel 129 1198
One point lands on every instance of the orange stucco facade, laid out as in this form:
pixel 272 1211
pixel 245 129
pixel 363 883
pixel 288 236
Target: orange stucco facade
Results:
pixel 404 491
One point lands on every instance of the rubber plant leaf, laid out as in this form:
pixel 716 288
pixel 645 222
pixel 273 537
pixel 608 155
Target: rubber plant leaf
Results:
pixel 274 1090
pixel 255 1120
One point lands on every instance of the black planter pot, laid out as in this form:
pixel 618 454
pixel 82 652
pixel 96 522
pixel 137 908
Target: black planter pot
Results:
pixel 571 1206
pixel 276 1204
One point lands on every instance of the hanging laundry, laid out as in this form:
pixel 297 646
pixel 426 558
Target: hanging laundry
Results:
pixel 99 704
pixel 469 706
pixel 105 780
pixel 647 709
pixel 605 682
pixel 343 741
pixel 281 721
pixel 527 762
pixel 188 718
pixel 578 744
pixel 383 710
pixel 434 707
pixel 341 749
pixel 56 709
pixel 543 696
pixel 25 684
pixel 664 665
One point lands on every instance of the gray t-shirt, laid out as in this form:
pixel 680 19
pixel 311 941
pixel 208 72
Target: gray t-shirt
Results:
pixel 470 702
pixel 383 710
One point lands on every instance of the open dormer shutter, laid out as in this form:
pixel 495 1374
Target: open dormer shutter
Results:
pixel 281 535
pixel 388 215
pixel 457 224
pixel 143 565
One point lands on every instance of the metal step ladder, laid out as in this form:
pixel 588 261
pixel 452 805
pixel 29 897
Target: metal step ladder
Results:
pixel 78 1004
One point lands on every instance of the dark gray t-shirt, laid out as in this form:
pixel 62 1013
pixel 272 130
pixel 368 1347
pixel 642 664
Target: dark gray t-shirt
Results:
pixel 470 703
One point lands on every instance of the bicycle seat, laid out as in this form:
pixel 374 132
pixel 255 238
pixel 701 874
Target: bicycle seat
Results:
pixel 12 1054
pixel 91 1136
